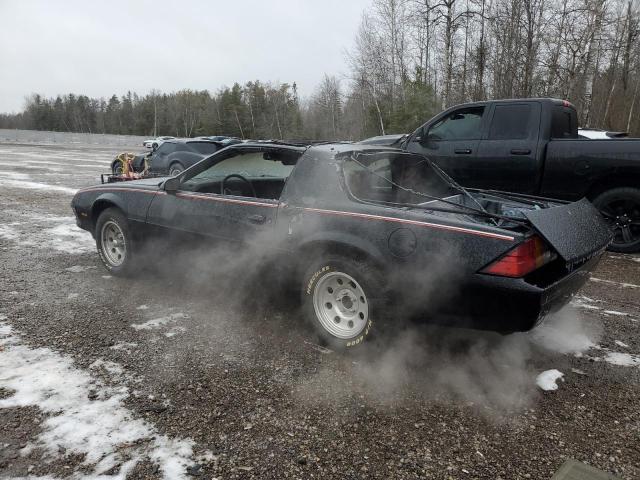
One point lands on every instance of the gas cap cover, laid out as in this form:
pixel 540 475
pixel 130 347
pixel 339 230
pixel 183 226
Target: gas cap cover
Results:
pixel 402 242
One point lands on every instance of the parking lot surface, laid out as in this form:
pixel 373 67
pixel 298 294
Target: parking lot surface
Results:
pixel 182 373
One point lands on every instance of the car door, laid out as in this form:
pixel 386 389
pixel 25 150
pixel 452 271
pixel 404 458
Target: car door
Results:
pixel 452 141
pixel 199 207
pixel 508 155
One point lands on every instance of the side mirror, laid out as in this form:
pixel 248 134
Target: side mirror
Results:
pixel 171 185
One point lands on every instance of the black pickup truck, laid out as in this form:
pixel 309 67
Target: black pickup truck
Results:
pixel 531 146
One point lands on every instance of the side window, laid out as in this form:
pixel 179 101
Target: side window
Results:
pixel 256 174
pixel 510 122
pixel 165 149
pixel 204 148
pixel 462 124
pixel 373 182
pixel 564 123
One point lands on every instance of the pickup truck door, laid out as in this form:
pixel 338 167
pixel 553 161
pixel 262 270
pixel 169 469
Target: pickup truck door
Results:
pixel 508 156
pixel 452 141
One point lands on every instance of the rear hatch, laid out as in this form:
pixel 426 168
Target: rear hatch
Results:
pixel 576 230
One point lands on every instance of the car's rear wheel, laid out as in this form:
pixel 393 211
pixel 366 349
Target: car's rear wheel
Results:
pixel 175 169
pixel 341 297
pixel 117 168
pixel 620 207
pixel 114 242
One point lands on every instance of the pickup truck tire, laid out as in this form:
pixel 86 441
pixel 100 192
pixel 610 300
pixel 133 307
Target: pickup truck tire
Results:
pixel 114 242
pixel 341 298
pixel 621 209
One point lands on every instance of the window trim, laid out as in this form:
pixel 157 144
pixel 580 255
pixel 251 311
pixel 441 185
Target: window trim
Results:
pixel 448 113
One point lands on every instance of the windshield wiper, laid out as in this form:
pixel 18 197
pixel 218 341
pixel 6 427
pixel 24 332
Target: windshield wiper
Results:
pixel 445 176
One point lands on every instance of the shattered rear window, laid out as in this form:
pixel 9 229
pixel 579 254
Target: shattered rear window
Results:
pixel 392 177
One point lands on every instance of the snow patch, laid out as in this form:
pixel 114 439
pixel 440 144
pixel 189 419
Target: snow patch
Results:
pixel 621 344
pixel 64 237
pixel 547 379
pixel 102 429
pixel 175 331
pixel 125 346
pixel 622 359
pixel 614 312
pixel 142 307
pixel 158 322
pixel 611 282
pixel 36 186
pixel 79 268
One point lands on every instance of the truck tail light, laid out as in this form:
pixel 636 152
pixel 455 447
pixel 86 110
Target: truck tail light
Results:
pixel 522 259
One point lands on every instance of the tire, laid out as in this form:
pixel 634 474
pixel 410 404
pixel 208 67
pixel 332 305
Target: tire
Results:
pixel 114 242
pixel 342 299
pixel 117 168
pixel 620 208
pixel 175 169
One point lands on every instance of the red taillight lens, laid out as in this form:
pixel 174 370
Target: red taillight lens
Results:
pixel 525 258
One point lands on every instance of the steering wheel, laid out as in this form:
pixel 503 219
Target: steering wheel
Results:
pixel 236 175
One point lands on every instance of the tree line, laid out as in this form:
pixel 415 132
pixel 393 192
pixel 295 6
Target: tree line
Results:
pixel 410 59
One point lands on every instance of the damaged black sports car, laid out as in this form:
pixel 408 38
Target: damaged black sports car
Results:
pixel 378 235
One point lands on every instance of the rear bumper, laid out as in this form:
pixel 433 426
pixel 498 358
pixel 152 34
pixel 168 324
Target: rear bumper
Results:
pixel 509 305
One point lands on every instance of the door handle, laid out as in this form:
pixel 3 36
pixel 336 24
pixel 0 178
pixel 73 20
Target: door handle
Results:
pixel 257 219
pixel 520 151
pixel 462 151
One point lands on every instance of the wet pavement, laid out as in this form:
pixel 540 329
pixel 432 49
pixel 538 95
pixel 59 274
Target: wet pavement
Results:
pixel 187 373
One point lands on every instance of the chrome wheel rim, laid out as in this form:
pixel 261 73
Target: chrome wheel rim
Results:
pixel 114 246
pixel 175 171
pixel 340 304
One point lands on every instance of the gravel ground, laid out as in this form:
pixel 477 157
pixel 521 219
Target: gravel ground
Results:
pixel 204 370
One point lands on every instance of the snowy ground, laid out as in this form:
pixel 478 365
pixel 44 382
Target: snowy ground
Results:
pixel 165 377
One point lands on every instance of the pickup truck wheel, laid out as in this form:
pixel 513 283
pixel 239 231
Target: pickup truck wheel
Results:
pixel 621 209
pixel 114 243
pixel 340 299
pixel 175 169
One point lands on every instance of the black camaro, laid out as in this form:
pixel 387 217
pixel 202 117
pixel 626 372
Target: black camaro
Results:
pixel 370 234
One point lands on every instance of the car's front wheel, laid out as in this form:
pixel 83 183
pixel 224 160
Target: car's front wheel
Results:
pixel 620 207
pixel 114 242
pixel 341 298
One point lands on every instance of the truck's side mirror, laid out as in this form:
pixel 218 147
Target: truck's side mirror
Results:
pixel 171 185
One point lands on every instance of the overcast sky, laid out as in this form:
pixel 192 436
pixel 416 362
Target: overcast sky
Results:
pixel 98 48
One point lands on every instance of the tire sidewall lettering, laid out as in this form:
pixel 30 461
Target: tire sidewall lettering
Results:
pixel 314 278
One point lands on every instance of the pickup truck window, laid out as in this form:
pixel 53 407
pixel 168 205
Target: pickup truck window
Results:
pixel 510 122
pixel 463 124
pixel 564 122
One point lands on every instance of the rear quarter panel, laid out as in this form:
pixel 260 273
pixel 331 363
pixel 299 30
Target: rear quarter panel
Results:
pixel 318 208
